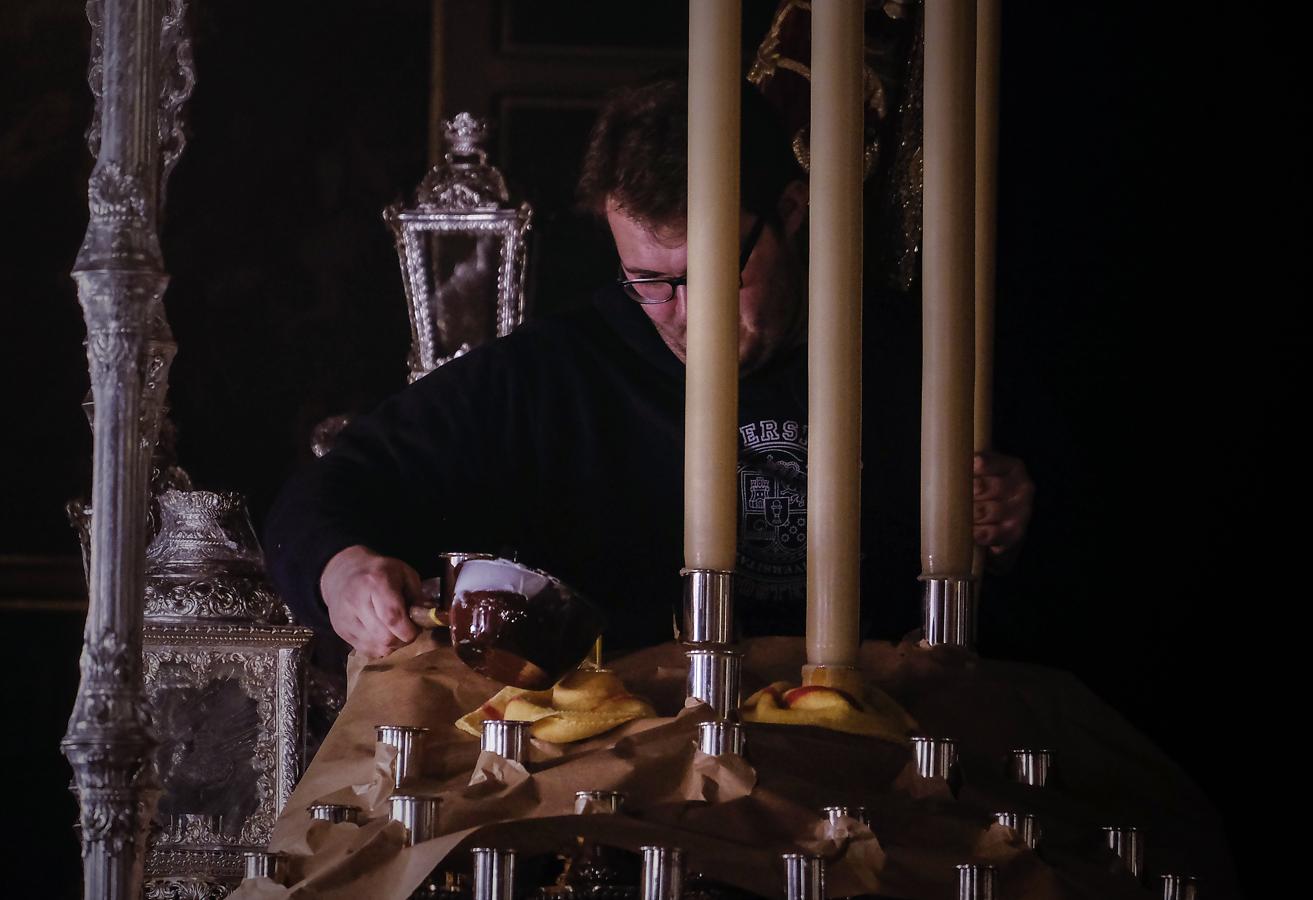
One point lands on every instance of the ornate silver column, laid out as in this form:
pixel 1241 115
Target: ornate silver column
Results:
pixel 121 280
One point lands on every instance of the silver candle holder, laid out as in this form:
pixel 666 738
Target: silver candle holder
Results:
pixel 419 816
pixel 494 873
pixel 857 813
pixel 936 758
pixel 507 738
pixel 260 864
pixel 1024 824
pixel 1031 767
pixel 407 740
pixel 603 802
pixel 708 606
pixel 804 876
pixel 663 873
pixel 721 738
pixel 714 678
pixel 334 812
pixel 948 612
pixel 976 882
pixel 1127 842
pixel 1180 887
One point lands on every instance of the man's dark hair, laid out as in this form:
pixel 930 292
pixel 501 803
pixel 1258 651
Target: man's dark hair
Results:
pixel 638 155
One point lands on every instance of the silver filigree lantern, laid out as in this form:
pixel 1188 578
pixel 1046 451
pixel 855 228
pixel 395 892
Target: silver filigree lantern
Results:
pixel 462 250
pixel 225 674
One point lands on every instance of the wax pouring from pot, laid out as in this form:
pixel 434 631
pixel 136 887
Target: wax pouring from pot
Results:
pixel 517 625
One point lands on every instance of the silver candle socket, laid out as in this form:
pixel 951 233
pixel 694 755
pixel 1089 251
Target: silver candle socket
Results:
pixel 598 802
pixel 507 738
pixel 1180 887
pixel 334 812
pixel 494 873
pixel 1127 841
pixel 1032 767
pixel 663 873
pixel 859 813
pixel 977 882
pixel 720 738
pixel 948 612
pixel 418 814
pixel 935 757
pixel 708 606
pixel 713 678
pixel 259 864
pixel 804 876
pixel 1024 824
pixel 407 739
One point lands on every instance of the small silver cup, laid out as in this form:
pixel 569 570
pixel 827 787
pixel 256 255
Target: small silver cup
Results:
pixel 948 612
pixel 1032 767
pixel 720 738
pixel 714 678
pixel 418 814
pixel 1127 841
pixel 663 873
pixel 936 757
pixel 1024 824
pixel 260 864
pixel 1180 887
pixel 804 876
pixel 708 606
pixel 334 812
pixel 859 813
pixel 977 882
pixel 494 873
pixel 407 739
pixel 603 802
pixel 507 738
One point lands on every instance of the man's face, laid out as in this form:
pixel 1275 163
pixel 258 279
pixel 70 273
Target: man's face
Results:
pixel 771 308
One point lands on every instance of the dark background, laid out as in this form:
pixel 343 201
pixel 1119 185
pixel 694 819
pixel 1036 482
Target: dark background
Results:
pixel 1140 354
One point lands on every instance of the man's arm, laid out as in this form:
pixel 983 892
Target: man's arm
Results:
pixel 411 479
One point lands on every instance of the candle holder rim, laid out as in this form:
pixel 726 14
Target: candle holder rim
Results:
pixel 922 738
pixel 793 854
pixel 434 797
pixel 987 867
pixel 1133 829
pixel 333 806
pixel 725 649
pixel 417 729
pixel 1020 750
pixel 666 847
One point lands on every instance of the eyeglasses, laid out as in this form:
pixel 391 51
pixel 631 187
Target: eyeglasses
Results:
pixel 662 290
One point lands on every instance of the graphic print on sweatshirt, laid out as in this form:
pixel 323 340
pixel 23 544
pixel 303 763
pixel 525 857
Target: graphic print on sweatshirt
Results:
pixel 772 560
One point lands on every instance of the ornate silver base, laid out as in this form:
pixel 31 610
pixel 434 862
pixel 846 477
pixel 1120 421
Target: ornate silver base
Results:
pixel 334 812
pixel 708 606
pixel 713 678
pixel 260 864
pixel 857 813
pixel 948 612
pixel 804 876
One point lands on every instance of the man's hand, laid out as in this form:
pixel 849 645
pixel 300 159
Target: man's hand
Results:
pixel 367 596
pixel 1003 493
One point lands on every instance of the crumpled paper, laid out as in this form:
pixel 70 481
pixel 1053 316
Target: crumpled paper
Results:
pixel 735 816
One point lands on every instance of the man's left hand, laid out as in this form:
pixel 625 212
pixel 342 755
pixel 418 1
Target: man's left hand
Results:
pixel 1002 496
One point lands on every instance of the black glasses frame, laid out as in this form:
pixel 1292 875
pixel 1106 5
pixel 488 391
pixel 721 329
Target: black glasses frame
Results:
pixel 673 282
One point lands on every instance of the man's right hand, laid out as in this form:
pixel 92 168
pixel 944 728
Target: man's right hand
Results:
pixel 367 596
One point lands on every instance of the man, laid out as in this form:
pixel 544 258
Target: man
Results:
pixel 563 442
